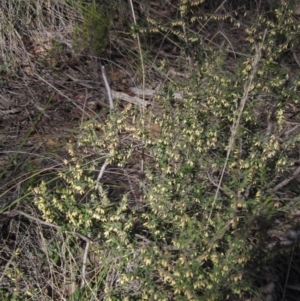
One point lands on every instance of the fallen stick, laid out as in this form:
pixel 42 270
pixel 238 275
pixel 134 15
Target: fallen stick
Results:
pixel 149 93
pixel 132 99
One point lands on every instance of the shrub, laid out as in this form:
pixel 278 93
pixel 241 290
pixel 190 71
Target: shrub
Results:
pixel 183 212
pixel 92 33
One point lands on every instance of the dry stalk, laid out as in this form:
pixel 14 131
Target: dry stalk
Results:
pixel 140 49
pixel 101 172
pixel 84 259
pixel 236 121
pixel 107 87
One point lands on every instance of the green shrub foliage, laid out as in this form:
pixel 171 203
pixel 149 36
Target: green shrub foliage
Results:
pixel 212 172
pixel 92 33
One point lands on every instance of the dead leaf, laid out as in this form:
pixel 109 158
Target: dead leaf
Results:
pixel 51 142
pixel 70 288
pixel 28 70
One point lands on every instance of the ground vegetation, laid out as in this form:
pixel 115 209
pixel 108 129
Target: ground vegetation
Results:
pixel 149 150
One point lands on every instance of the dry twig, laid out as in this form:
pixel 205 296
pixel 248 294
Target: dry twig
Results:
pixel 236 122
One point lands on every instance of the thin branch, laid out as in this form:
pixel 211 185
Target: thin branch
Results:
pixel 84 259
pixel 216 184
pixel 189 58
pixel 140 48
pixel 101 172
pixel 150 93
pixel 286 181
pixel 135 100
pixel 236 122
pixel 107 87
pixel 296 58
pixel 61 93
pixel 84 106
